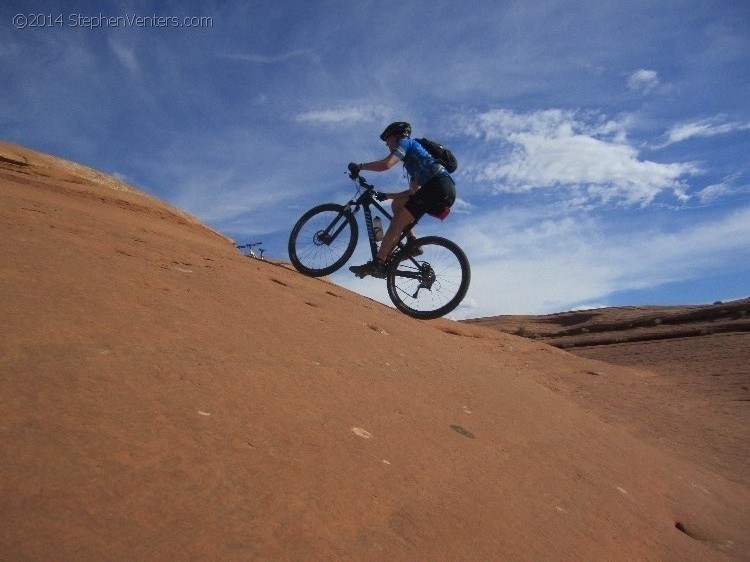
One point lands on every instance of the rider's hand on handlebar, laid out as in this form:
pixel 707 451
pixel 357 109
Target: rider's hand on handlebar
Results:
pixel 353 169
pixel 380 196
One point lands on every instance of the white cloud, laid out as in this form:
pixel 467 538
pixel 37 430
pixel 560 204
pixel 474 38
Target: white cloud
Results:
pixel 582 152
pixel 274 59
pixel 347 114
pixel 713 192
pixel 703 128
pixel 526 264
pixel 462 206
pixel 643 81
pixel 123 178
pixel 126 55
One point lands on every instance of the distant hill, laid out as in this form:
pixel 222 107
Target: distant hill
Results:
pixel 165 397
pixel 602 326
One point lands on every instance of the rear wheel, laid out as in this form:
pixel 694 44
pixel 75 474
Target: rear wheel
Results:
pixel 323 239
pixel 432 284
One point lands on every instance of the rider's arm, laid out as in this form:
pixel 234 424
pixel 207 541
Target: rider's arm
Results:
pixel 381 165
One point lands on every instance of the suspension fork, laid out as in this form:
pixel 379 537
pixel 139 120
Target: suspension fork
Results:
pixel 337 225
pixel 333 230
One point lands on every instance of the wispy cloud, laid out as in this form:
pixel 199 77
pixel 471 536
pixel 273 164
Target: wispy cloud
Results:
pixel 126 56
pixel 730 186
pixel 703 128
pixel 585 153
pixel 347 114
pixel 274 59
pixel 643 81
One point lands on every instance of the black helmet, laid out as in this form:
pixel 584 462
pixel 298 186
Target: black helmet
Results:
pixel 401 129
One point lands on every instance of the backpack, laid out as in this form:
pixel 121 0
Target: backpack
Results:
pixel 440 153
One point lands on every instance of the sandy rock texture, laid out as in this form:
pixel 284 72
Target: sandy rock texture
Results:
pixel 164 397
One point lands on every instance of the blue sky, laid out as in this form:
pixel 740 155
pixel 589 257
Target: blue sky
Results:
pixel 603 145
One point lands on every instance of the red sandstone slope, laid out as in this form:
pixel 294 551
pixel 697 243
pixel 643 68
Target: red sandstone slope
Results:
pixel 695 359
pixel 165 397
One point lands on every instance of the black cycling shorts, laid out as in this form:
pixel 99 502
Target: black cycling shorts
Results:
pixel 434 196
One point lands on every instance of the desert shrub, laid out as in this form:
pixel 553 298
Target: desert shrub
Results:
pixel 525 333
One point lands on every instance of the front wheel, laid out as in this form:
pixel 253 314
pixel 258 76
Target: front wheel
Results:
pixel 323 239
pixel 431 284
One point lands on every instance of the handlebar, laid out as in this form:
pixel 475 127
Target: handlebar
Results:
pixel 354 175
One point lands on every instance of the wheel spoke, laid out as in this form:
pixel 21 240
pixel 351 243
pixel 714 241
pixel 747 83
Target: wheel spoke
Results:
pixel 432 284
pixel 322 240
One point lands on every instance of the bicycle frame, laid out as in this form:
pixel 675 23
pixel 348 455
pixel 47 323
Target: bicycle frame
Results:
pixel 365 201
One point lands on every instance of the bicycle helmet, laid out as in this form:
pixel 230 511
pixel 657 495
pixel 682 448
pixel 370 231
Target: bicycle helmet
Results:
pixel 401 129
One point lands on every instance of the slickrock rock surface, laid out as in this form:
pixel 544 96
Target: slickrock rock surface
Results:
pixel 164 397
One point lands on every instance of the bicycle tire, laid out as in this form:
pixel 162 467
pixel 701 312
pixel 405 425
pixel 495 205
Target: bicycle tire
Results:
pixel 312 251
pixel 430 285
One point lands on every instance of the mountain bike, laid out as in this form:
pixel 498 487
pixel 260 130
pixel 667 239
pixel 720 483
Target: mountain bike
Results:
pixel 424 284
pixel 247 250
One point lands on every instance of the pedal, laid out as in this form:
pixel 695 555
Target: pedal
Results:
pixel 354 270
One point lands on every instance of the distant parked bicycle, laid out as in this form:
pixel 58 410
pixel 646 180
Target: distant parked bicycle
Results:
pixel 247 249
pixel 426 278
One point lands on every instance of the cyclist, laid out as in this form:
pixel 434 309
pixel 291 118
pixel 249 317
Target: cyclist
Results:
pixel 431 189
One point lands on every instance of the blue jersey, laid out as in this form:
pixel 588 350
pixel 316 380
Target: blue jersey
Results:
pixel 420 166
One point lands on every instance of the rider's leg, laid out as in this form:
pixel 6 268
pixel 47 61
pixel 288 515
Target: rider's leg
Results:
pixel 397 205
pixel 401 220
